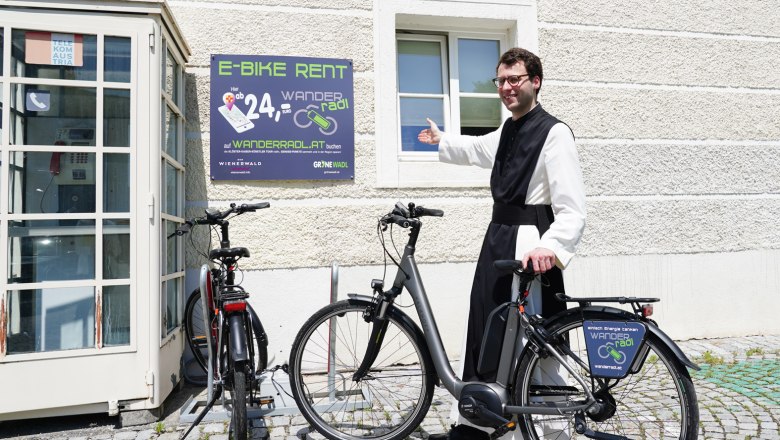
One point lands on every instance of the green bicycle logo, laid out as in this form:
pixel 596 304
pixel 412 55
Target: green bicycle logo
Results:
pixel 608 350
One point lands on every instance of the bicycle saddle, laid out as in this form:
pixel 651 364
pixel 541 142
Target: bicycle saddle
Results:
pixel 236 252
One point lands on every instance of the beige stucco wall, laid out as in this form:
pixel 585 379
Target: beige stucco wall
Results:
pixel 676 108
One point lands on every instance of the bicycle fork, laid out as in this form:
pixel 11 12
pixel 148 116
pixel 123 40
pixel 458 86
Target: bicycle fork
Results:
pixel 376 314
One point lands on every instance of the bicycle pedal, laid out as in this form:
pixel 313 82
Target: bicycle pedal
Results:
pixel 265 400
pixel 503 429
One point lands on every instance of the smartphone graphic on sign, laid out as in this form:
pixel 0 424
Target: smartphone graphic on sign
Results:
pixel 236 118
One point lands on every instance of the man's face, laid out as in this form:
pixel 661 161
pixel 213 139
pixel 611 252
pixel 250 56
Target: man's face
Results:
pixel 521 98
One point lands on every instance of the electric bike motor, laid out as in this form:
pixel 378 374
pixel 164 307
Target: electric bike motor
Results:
pixel 481 405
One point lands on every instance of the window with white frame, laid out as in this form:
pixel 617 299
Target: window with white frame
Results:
pixel 172 190
pixel 446 79
pixel 435 60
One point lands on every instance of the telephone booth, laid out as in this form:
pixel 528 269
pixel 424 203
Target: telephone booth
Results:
pixel 91 182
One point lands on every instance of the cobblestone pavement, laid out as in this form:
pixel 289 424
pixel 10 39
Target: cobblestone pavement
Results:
pixel 738 390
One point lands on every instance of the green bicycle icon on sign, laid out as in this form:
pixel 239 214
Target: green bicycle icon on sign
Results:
pixel 327 124
pixel 608 350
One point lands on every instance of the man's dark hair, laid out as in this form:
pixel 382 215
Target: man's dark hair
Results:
pixel 532 63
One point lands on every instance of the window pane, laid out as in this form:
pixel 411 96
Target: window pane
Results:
pixel 116 315
pixel 171 248
pixel 116 118
pixel 50 183
pixel 477 65
pixel 419 67
pixel 2 99
pixel 171 190
pixel 52 115
pixel 50 319
pixel 54 55
pixel 479 115
pixel 172 77
pixel 2 48
pixel 117 59
pixel 116 249
pixel 173 305
pixel 171 133
pixel 413 114
pixel 48 250
pixel 116 182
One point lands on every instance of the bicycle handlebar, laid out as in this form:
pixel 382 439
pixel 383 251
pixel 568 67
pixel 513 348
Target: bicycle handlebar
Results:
pixel 216 217
pixel 406 216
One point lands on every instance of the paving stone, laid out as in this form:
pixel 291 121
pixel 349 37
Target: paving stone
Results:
pixel 146 434
pixel 125 435
pixel 214 428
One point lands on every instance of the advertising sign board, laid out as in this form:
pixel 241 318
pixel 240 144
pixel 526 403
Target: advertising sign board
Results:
pixel 281 118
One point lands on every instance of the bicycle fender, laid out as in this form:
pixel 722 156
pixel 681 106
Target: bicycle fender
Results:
pixel 628 316
pixel 238 343
pixel 673 346
pixel 354 298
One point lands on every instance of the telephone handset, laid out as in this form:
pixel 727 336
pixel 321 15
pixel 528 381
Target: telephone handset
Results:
pixel 54 163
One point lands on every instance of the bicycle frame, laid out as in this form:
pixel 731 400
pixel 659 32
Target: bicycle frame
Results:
pixel 408 277
pixel 453 384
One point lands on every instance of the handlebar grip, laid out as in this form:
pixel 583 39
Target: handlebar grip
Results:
pixel 420 211
pixel 400 220
pixel 254 206
pixel 514 265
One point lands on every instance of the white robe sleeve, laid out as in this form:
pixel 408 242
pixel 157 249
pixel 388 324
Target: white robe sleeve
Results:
pixel 566 193
pixel 470 150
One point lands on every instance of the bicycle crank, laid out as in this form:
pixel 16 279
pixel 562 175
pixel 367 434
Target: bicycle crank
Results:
pixel 582 428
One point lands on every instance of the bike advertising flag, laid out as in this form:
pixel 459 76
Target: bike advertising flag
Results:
pixel 281 118
pixel 612 346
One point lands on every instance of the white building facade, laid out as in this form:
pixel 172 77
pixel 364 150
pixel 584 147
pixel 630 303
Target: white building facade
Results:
pixel 675 108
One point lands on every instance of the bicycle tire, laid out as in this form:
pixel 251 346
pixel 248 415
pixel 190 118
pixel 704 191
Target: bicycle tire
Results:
pixel 196 336
pixel 389 403
pixel 658 401
pixel 238 417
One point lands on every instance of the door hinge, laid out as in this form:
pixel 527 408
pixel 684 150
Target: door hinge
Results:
pixel 150 377
pixel 152 39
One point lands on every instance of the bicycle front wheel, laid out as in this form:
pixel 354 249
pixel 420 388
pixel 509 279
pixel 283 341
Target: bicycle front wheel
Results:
pixel 389 402
pixel 656 402
pixel 238 423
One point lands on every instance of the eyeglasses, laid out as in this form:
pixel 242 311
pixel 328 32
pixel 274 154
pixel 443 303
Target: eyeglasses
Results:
pixel 513 80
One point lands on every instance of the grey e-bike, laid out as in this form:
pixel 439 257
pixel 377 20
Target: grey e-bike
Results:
pixel 362 369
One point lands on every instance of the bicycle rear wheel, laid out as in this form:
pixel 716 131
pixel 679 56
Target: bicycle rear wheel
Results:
pixel 656 402
pixel 196 334
pixel 388 403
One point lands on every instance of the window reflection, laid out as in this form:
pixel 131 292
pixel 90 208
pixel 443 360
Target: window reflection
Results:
pixel 116 315
pixel 171 316
pixel 171 249
pixel 171 190
pixel 413 114
pixel 116 249
pixel 52 55
pixel 50 319
pixel 172 77
pixel 116 59
pixel 116 118
pixel 52 115
pixel 479 115
pixel 47 250
pixel 59 182
pixel 419 67
pixel 476 65
pixel 171 133
pixel 116 183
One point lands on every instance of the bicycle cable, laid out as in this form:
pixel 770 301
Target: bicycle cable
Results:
pixel 381 234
